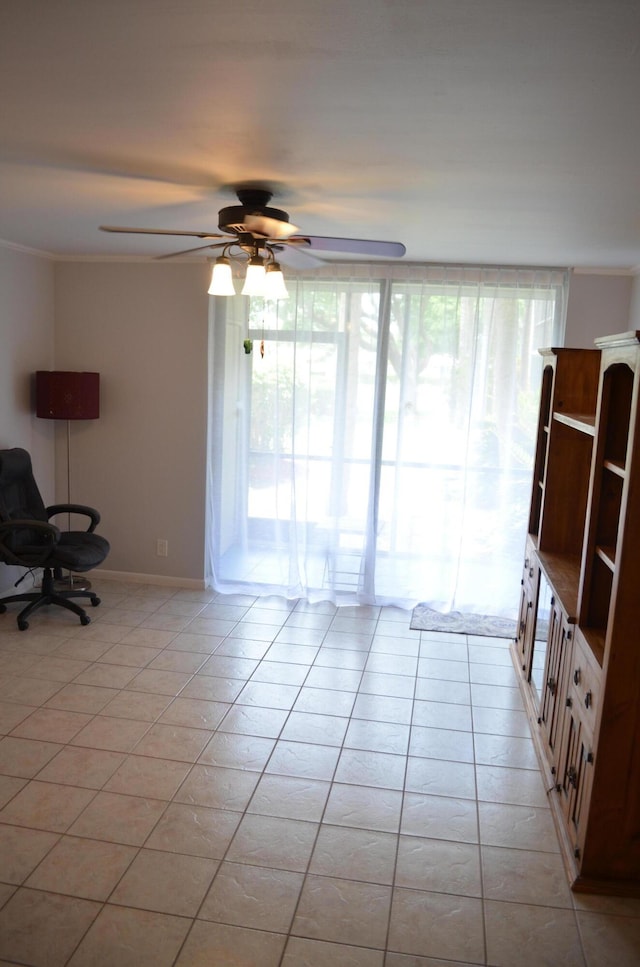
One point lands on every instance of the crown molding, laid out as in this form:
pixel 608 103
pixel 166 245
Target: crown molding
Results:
pixel 25 249
pixel 630 271
pixel 104 258
pixel 602 270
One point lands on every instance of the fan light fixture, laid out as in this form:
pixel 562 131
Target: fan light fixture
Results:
pixel 221 279
pixel 263 276
pixel 254 279
pixel 274 286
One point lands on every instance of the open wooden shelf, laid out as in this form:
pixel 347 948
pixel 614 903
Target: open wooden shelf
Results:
pixel 563 573
pixel 615 467
pixel 608 555
pixel 595 638
pixel 583 422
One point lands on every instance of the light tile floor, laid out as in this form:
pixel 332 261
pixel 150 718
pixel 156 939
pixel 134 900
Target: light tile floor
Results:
pixel 198 779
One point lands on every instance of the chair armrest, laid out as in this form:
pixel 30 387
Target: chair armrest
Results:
pixel 90 512
pixel 29 555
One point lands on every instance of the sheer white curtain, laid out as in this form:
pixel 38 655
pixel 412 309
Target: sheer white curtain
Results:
pixel 380 449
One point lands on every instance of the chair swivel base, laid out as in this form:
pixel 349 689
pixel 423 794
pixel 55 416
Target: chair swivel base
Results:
pixel 49 595
pixel 72 582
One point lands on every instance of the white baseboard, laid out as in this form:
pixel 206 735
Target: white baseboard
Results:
pixel 134 577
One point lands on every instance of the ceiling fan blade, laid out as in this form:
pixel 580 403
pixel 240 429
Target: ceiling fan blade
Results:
pixel 355 246
pixel 297 257
pixel 269 227
pixel 186 251
pixel 159 231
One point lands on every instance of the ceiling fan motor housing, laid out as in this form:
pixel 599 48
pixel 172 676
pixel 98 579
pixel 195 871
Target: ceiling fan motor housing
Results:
pixel 232 219
pixel 254 201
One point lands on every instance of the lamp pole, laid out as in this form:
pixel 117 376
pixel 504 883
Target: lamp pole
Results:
pixel 63 395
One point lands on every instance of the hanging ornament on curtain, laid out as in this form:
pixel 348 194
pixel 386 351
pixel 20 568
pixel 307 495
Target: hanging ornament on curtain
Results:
pixel 262 348
pixel 248 345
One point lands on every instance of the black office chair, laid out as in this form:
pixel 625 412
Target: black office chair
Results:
pixel 28 539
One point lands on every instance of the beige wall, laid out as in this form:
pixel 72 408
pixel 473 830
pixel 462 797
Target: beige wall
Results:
pixel 143 327
pixel 26 345
pixel 634 315
pixel 599 305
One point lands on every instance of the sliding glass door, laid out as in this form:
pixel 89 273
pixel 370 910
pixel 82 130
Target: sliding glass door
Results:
pixel 375 445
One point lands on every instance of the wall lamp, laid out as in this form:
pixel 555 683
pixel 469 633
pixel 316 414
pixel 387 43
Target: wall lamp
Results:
pixel 263 276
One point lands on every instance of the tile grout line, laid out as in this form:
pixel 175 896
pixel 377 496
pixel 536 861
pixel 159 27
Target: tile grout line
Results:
pixel 342 747
pixel 244 813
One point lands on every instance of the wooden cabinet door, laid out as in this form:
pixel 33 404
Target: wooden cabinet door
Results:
pixel 575 777
pixel 555 684
pixel 527 614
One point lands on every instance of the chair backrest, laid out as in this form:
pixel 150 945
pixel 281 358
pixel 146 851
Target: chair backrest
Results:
pixel 19 496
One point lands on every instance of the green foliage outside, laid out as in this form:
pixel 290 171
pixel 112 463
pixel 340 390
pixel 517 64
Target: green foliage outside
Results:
pixel 426 327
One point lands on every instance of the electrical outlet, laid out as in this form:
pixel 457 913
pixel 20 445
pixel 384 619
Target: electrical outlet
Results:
pixel 162 548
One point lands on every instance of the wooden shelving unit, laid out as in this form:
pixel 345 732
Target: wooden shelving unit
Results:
pixel 583 555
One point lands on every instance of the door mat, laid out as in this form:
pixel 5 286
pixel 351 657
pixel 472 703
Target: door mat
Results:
pixel 424 618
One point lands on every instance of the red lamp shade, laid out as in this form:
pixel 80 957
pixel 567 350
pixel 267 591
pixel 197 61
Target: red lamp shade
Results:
pixel 67 396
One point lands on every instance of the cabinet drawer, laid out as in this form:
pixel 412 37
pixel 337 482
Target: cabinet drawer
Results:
pixel 584 682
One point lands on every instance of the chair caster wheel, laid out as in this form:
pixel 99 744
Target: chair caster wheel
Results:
pixel 23 625
pixel 95 602
pixel 85 619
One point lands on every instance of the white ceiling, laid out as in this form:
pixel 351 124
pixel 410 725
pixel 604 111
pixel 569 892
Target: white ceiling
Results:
pixel 471 130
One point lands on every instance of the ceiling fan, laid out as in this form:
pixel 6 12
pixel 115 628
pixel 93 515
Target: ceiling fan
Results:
pixel 252 228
